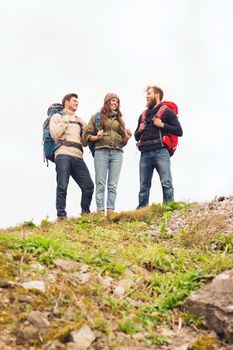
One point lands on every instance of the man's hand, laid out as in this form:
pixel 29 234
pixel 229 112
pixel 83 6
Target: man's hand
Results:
pixel 158 122
pixel 142 127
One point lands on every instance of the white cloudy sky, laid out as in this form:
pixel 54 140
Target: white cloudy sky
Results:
pixel 52 47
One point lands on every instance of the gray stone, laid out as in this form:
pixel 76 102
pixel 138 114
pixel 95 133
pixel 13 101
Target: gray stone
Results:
pixel 66 265
pixel 215 303
pixel 106 281
pixel 27 333
pixel 38 319
pixel 82 338
pixel 84 268
pixel 37 267
pixel 119 291
pixel 69 314
pixel 25 299
pixel 5 284
pixel 39 285
pixel 122 287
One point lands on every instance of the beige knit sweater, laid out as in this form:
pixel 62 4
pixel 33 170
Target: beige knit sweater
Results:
pixel 62 129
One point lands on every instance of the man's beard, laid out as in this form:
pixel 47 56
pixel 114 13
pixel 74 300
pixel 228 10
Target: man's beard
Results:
pixel 151 103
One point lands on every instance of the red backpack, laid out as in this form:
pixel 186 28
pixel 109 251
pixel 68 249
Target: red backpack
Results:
pixel 169 140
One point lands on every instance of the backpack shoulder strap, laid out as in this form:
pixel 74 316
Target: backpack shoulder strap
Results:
pixel 160 112
pixel 143 116
pixel 97 121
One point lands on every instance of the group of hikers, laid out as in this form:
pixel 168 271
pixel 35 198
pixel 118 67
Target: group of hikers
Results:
pixel 106 134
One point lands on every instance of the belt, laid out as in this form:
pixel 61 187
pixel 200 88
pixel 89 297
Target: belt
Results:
pixel 108 143
pixel 150 142
pixel 71 144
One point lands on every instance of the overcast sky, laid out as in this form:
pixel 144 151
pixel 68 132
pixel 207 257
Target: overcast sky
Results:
pixel 53 47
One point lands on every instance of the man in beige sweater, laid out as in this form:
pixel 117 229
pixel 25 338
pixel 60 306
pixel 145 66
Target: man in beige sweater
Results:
pixel 66 129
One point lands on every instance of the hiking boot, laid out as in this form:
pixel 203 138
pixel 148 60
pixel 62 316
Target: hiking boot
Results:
pixel 85 213
pixel 60 218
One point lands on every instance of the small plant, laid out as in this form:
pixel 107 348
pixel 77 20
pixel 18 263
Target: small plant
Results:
pixel 154 339
pixel 224 242
pixel 206 342
pixel 128 327
pixel 28 224
pixel 196 320
pixel 44 248
pixel 45 224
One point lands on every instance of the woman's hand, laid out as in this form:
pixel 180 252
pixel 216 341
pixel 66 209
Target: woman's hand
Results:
pixel 128 134
pixel 99 134
pixel 94 138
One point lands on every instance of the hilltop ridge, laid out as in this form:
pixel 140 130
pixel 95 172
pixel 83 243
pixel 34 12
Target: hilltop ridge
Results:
pixel 115 282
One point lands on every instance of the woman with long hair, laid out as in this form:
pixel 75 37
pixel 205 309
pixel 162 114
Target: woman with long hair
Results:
pixel 107 130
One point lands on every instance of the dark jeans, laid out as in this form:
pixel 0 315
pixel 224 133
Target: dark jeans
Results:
pixel 75 167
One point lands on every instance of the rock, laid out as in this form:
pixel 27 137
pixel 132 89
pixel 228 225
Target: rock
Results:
pixel 51 278
pixel 83 277
pixel 27 333
pixel 25 299
pixel 66 265
pixel 39 285
pixel 221 207
pixel 84 268
pixel 37 267
pixel 69 314
pixel 215 302
pixel 5 284
pixel 119 292
pixel 123 286
pixel 38 319
pixel 82 338
pixel 106 281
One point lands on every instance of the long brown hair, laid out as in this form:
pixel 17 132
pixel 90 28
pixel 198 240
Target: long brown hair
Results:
pixel 106 111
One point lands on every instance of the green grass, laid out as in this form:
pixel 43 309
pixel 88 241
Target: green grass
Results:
pixel 163 271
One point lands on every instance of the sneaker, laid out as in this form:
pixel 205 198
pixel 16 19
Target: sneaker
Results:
pixel 100 212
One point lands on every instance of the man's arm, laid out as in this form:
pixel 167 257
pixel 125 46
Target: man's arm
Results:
pixel 140 128
pixel 169 123
pixel 58 125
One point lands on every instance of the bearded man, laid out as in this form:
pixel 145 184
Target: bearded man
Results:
pixel 154 153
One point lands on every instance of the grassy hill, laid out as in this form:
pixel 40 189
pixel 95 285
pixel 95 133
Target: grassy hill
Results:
pixel 126 278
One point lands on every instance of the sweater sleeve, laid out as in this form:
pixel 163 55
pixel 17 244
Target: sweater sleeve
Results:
pixel 137 134
pixel 57 125
pixel 171 124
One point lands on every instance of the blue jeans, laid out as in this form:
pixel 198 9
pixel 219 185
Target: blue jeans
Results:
pixel 108 162
pixel 159 160
pixel 75 167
